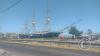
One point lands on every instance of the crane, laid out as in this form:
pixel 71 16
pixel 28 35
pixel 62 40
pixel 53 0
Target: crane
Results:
pixel 71 25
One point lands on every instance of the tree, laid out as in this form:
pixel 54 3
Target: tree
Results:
pixel 74 31
pixel 89 31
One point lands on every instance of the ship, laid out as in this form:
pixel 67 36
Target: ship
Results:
pixel 39 34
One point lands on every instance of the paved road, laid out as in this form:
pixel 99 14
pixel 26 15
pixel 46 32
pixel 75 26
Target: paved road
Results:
pixel 28 50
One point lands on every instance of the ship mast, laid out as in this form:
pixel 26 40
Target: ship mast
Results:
pixel 33 25
pixel 25 30
pixel 33 22
pixel 48 19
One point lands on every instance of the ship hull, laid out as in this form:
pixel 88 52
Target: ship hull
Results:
pixel 44 35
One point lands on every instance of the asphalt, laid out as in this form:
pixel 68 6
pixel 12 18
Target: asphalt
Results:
pixel 29 50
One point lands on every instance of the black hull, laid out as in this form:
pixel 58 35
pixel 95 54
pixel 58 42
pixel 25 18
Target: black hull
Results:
pixel 45 35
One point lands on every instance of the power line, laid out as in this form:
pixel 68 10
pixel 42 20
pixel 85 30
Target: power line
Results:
pixel 2 11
